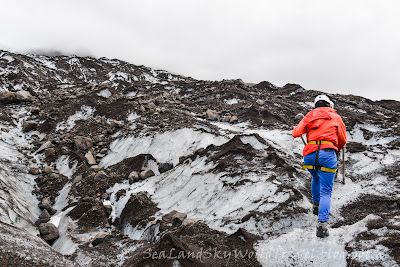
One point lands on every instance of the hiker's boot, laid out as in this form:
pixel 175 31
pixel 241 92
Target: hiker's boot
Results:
pixel 322 229
pixel 315 208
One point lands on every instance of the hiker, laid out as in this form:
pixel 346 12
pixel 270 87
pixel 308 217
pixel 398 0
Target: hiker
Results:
pixel 326 136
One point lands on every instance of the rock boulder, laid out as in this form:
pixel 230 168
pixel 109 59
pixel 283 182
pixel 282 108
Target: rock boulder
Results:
pixel 165 167
pixel 83 143
pixel 212 114
pixel 174 217
pixel 49 232
pixel 133 177
pixel 146 174
pixel 24 96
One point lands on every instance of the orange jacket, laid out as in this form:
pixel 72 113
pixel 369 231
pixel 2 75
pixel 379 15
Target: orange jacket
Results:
pixel 323 124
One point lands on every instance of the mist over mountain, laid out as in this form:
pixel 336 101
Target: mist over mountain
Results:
pixel 106 163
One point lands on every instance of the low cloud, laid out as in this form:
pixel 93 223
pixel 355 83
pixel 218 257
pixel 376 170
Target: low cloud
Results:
pixel 338 47
pixel 61 52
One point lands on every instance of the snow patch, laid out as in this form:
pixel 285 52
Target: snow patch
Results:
pixel 357 135
pixel 119 75
pixel 8 58
pixel 150 78
pixel 231 101
pixel 45 62
pixel 131 94
pixel 133 116
pixel 62 165
pixel 308 105
pixel 104 93
pixel 85 113
pixel 354 109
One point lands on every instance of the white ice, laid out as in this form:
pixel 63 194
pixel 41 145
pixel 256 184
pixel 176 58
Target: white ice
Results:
pixel 61 200
pixel 17 204
pixel 150 78
pixel 68 241
pixel 354 109
pixel 301 247
pixel 113 62
pixel 357 135
pixel 8 58
pixel 119 75
pixel 231 101
pixel 377 256
pixel 280 139
pixel 133 116
pixel 307 104
pixel 45 62
pixel 165 147
pixel 63 166
pixel 141 233
pixel 191 188
pixel 104 93
pixel 131 94
pixel 70 236
pixel 253 142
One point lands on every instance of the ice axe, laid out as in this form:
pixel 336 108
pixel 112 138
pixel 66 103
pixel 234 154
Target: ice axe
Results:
pixel 302 139
pixel 343 181
pixel 299 117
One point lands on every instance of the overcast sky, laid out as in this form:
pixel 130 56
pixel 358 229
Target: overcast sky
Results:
pixel 347 47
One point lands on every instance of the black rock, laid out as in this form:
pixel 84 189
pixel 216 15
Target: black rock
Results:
pixel 165 167
pixel 43 218
pixel 99 238
pixel 29 126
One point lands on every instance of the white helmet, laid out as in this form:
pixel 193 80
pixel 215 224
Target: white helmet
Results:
pixel 324 98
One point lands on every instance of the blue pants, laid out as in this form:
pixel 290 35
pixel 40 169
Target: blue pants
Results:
pixel 322 182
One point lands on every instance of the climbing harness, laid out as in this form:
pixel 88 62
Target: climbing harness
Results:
pixel 319 143
pixel 316 165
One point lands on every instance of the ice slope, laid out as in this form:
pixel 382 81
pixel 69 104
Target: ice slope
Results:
pixel 221 199
pixel 33 249
pixel 17 204
pixel 192 187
